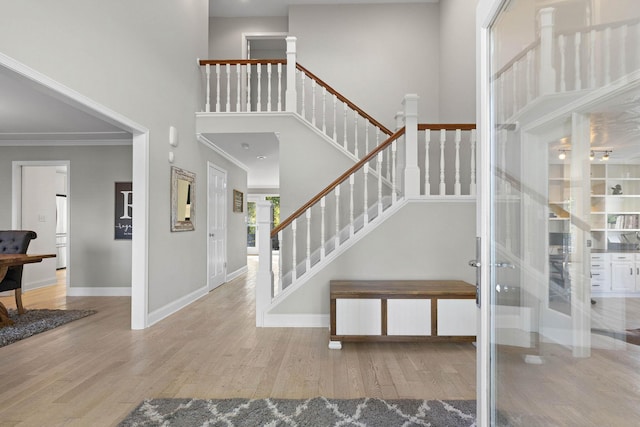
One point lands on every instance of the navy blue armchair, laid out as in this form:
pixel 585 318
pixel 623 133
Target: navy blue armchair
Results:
pixel 15 242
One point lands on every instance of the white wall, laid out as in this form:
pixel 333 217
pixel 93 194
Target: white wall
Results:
pixel 96 259
pixel 138 59
pixel 401 248
pixel 373 54
pixel 457 62
pixel 39 214
pixel 225 34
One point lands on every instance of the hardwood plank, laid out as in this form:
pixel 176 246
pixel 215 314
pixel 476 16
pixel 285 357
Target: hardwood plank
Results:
pixel 95 370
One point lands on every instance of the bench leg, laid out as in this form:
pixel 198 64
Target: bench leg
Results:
pixel 335 345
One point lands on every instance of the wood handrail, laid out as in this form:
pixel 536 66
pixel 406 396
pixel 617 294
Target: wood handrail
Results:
pixel 449 126
pixel 345 100
pixel 598 27
pixel 516 58
pixel 337 182
pixel 241 61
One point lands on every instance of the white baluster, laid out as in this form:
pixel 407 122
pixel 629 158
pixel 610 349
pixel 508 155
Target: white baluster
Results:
pixel 622 48
pixel 248 87
pixel 379 183
pixel 472 186
pixel 607 55
pixel 592 59
pixel 308 239
pixel 427 180
pixel 207 105
pixel 577 41
pixel 562 47
pixel 313 102
pixel 351 184
pixel 259 88
pixel 637 46
pixel 530 65
pixel 228 71
pixel 388 165
pixel 344 141
pixel 268 87
pixel 514 91
pixel 238 91
pixel 335 123
pixel 366 136
pixel 337 193
pixel 366 194
pixel 217 88
pixel 443 139
pixel 324 110
pixel 293 250
pixel 280 272
pixel 394 193
pixel 303 77
pixel 355 134
pixel 322 228
pixel 456 187
pixel 279 87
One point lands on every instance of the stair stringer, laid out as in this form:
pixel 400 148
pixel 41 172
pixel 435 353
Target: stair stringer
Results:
pixel 322 320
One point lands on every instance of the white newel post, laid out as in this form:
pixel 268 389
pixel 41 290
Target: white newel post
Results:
pixel 291 94
pixel 411 169
pixel 264 278
pixel 547 72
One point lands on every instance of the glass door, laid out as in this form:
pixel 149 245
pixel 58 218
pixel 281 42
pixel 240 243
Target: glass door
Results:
pixel 560 255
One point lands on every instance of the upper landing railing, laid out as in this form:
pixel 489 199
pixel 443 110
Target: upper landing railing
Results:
pixel 278 85
pixel 562 62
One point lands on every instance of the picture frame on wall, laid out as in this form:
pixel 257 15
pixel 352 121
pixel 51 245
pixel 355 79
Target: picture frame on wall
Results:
pixel 123 211
pixel 238 201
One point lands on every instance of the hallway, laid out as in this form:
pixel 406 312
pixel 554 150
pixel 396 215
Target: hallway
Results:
pixel 95 370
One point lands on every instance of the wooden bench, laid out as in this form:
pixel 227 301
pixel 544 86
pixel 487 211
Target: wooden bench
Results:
pixel 402 310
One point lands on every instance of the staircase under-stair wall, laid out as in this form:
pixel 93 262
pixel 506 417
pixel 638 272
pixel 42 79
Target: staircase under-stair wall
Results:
pixel 404 209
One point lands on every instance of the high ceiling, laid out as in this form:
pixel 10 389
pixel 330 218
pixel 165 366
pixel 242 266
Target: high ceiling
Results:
pixel 28 112
pixel 247 8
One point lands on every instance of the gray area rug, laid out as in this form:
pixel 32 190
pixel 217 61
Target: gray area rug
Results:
pixel 35 321
pixel 318 411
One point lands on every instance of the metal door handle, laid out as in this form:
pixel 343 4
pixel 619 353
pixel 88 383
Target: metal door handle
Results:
pixel 475 263
pixel 505 265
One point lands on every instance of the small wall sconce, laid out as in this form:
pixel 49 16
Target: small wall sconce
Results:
pixel 563 154
pixel 173 136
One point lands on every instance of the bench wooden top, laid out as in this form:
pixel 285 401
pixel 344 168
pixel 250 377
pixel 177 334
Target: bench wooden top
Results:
pixel 402 289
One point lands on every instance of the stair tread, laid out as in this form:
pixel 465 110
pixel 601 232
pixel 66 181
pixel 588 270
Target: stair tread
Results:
pixel 401 289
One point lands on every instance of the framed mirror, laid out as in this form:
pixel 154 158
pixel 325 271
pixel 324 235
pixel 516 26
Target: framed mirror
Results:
pixel 183 200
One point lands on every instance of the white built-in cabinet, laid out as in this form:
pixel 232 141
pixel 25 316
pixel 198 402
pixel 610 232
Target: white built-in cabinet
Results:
pixel 614 221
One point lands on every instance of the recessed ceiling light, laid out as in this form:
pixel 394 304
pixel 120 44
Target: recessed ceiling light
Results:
pixel 245 145
pixel 261 157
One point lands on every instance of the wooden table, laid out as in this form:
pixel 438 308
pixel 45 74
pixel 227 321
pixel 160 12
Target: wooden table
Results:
pixel 11 260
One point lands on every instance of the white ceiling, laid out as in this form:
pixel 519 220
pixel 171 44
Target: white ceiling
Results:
pixel 245 148
pixel 247 8
pixel 30 114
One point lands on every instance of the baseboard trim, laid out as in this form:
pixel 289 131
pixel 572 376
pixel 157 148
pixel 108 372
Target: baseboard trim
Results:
pixel 239 272
pixel 296 320
pixel 99 292
pixel 166 311
pixel 26 287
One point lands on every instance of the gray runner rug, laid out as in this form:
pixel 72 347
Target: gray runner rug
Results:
pixel 318 411
pixel 35 321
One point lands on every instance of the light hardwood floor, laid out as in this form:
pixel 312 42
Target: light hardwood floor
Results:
pixel 94 371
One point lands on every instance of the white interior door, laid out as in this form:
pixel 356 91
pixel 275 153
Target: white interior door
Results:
pixel 217 227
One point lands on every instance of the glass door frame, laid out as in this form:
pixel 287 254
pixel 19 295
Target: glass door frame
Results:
pixel 486 13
